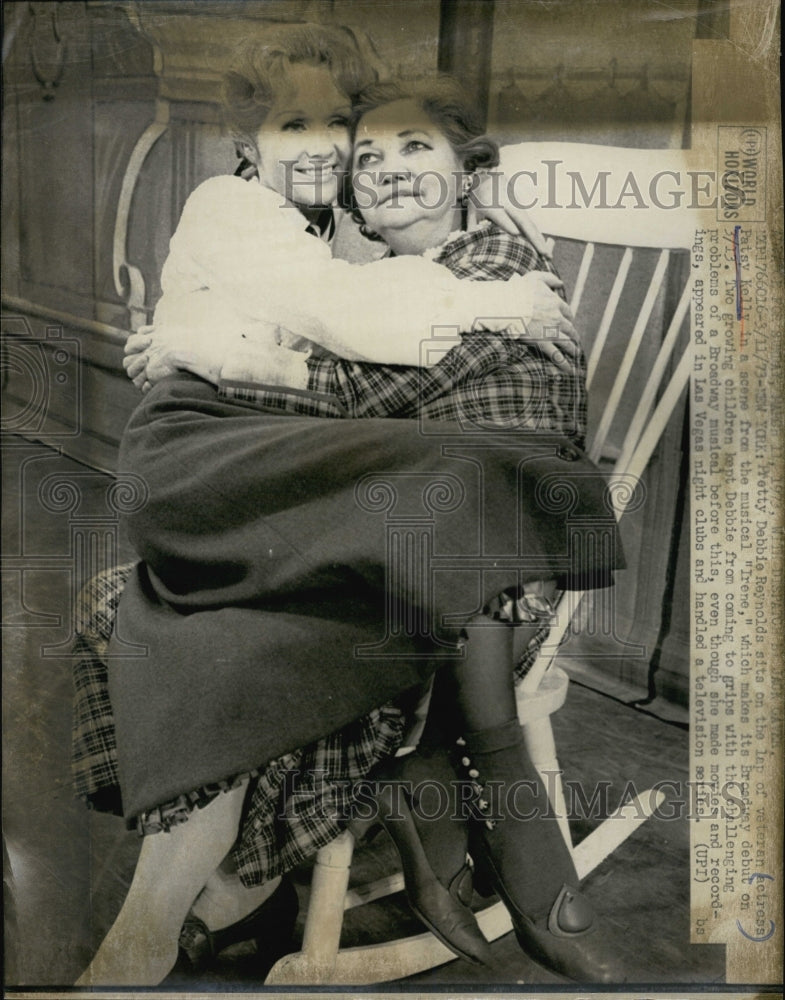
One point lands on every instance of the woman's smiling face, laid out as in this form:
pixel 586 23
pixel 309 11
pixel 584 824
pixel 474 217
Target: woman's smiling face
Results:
pixel 405 173
pixel 303 146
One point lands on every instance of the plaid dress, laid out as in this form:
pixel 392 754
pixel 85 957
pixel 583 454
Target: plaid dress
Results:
pixel 297 802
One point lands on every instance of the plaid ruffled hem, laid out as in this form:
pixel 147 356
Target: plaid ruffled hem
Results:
pixel 164 817
pixel 296 804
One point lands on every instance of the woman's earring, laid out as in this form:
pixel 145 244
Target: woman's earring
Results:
pixel 466 187
pixel 368 233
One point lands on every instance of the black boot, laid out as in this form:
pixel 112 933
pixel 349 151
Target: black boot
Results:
pixel 528 863
pixel 415 796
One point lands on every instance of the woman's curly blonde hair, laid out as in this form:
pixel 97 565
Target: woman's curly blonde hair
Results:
pixel 259 71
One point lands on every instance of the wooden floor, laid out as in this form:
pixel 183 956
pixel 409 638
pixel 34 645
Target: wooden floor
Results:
pixel 67 870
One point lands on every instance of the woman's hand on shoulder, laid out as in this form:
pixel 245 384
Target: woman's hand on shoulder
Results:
pixel 548 324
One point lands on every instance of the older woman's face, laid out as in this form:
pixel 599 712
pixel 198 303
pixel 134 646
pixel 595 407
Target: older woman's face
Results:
pixel 303 146
pixel 404 171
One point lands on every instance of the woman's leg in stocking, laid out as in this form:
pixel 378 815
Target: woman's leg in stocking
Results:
pixel 225 899
pixel 478 691
pixel 463 696
pixel 486 700
pixel 435 800
pixel 141 946
pixel 518 838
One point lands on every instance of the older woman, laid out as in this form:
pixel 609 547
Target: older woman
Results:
pixel 410 143
pixel 262 576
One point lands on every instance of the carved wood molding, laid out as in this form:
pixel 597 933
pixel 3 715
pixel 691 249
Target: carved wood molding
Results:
pixel 47 47
pixel 128 279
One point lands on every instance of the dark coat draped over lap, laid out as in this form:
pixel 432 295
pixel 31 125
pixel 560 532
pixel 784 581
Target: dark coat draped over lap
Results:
pixel 300 571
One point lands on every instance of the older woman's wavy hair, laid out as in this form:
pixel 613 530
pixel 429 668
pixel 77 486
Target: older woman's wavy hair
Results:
pixel 447 105
pixel 259 71
pixel 450 109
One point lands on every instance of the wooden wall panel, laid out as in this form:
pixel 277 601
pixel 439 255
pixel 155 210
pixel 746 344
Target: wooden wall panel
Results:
pixel 63 383
pixel 53 84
